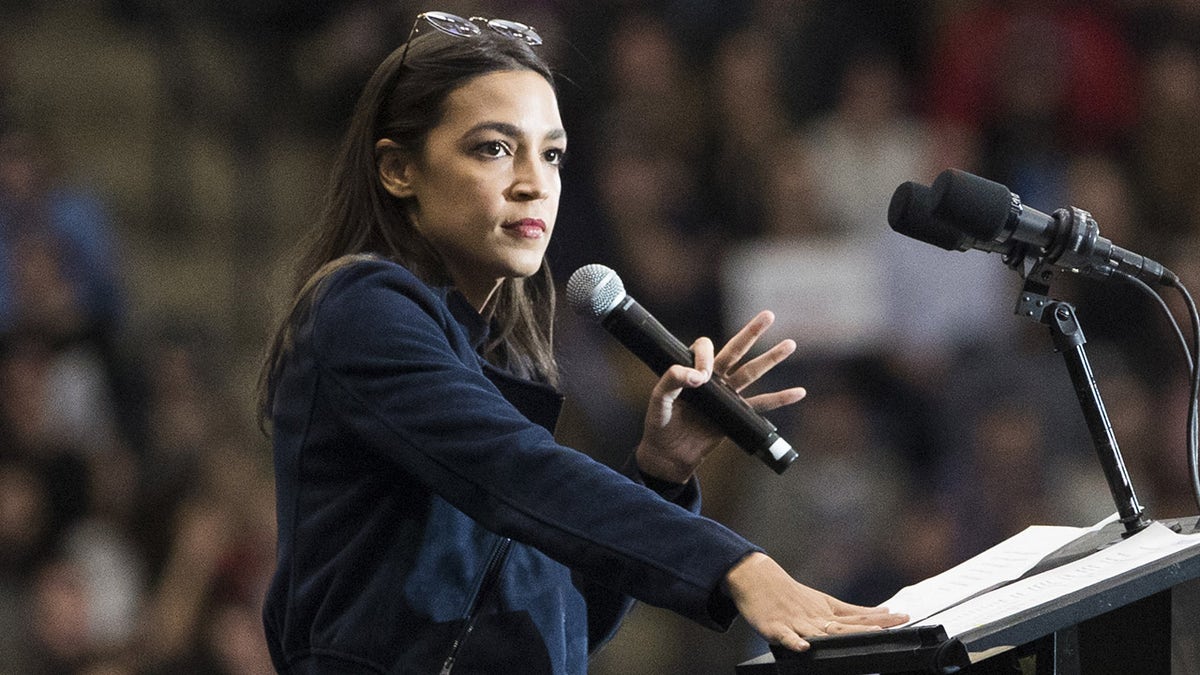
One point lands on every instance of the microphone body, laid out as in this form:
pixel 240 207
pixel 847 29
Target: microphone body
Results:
pixel 961 211
pixel 596 291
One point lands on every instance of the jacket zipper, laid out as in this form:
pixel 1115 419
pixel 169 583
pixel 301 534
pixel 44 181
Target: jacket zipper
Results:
pixel 490 575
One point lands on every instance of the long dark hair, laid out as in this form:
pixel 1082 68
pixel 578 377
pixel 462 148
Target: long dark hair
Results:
pixel 404 100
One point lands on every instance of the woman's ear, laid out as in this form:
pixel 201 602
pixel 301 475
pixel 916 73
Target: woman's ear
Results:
pixel 394 168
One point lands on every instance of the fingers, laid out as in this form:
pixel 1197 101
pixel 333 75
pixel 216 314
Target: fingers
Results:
pixel 784 634
pixel 871 618
pixel 793 638
pixel 839 628
pixel 857 624
pixel 673 382
pixel 882 619
pixel 778 399
pixel 847 613
pixel 703 350
pixel 749 372
pixel 741 376
pixel 754 368
pixel 677 377
pixel 792 641
pixel 845 609
pixel 740 344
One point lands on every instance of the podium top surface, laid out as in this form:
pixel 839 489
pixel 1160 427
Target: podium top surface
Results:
pixel 1018 628
pixel 1097 597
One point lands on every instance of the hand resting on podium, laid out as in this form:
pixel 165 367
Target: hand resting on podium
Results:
pixel 784 611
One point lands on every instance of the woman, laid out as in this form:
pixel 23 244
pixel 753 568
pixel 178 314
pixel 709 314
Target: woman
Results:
pixel 428 521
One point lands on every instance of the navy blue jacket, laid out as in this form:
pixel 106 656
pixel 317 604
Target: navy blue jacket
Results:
pixel 404 464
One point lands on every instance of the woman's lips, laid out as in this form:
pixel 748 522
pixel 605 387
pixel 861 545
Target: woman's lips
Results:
pixel 528 228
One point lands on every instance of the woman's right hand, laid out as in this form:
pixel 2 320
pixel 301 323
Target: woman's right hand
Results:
pixel 784 611
pixel 675 439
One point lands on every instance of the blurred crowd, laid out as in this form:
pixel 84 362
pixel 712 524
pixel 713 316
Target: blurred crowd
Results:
pixel 725 157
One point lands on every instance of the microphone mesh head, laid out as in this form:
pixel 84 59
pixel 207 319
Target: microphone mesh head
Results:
pixel 593 290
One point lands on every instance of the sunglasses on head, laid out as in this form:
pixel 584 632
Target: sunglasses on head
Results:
pixel 457 26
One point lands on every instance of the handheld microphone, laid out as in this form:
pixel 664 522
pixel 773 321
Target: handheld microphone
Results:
pixel 597 292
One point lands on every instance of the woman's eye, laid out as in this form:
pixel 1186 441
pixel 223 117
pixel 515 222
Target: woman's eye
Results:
pixel 493 149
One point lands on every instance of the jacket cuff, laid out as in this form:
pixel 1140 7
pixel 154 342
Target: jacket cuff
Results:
pixel 686 494
pixel 721 610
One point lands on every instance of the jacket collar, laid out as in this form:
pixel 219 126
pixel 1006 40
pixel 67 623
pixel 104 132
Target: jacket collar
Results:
pixel 476 326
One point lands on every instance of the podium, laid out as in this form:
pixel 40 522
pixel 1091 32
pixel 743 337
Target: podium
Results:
pixel 1119 624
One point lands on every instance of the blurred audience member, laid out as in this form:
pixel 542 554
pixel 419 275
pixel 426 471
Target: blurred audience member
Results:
pixel 1033 79
pixel 1167 148
pixel 58 271
pixel 866 146
pixel 750 124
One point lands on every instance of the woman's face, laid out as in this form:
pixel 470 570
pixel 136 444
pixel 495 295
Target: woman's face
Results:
pixel 485 190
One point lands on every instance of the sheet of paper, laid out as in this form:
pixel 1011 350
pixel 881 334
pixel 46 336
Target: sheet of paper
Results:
pixel 999 564
pixel 1152 543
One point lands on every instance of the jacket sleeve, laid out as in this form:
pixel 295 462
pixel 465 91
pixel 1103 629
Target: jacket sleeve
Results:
pixel 405 389
pixel 607 608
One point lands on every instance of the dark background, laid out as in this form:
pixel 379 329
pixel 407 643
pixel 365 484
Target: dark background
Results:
pixel 160 160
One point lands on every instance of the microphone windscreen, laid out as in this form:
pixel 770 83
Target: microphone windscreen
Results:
pixel 977 206
pixel 911 213
pixel 911 203
pixel 593 290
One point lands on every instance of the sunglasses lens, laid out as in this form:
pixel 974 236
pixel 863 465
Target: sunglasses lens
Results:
pixel 449 23
pixel 516 31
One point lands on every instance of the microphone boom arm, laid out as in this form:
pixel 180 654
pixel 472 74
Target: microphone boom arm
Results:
pixel 1068 338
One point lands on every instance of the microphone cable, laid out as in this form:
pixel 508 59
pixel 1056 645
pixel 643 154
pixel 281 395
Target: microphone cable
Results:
pixel 1193 434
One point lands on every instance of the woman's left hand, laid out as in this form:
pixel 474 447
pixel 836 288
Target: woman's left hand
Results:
pixel 676 439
